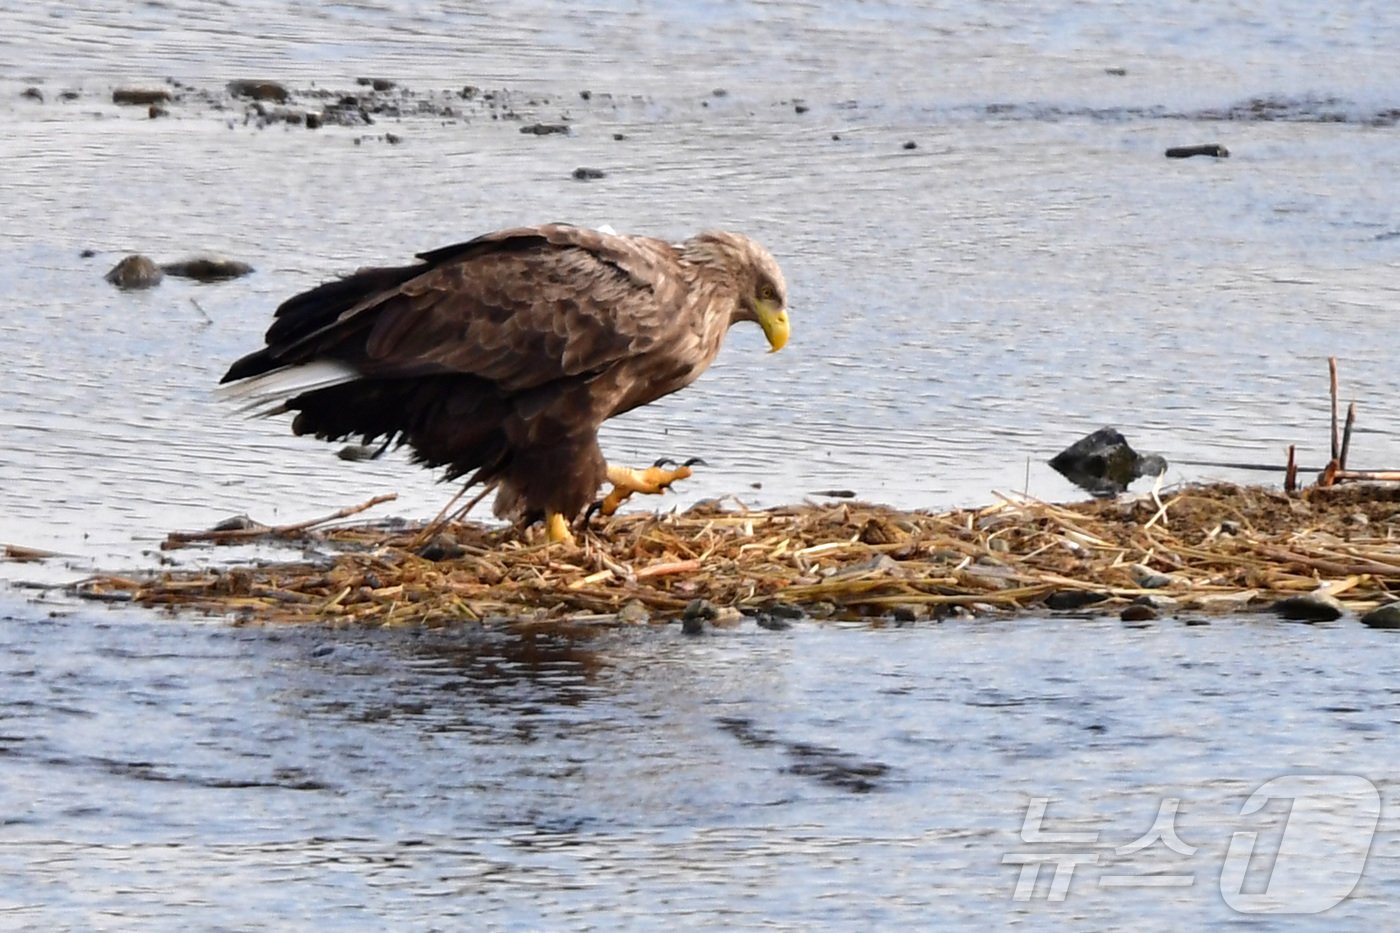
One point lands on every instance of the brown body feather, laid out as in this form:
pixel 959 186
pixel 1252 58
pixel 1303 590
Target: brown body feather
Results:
pixel 500 357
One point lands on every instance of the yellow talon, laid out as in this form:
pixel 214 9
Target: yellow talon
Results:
pixel 653 480
pixel 557 529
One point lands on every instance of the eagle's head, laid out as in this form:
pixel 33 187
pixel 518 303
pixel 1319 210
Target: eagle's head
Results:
pixel 762 291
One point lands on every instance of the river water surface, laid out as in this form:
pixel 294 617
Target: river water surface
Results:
pixel 1030 269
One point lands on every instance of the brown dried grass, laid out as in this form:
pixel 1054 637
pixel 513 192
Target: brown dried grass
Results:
pixel 1218 547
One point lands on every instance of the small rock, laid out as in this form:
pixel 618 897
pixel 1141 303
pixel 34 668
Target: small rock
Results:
pixel 836 137
pixel 68 95
pixel 259 90
pixel 633 613
pixel 1138 613
pixel 1383 617
pixel 1116 72
pixel 545 129
pixel 140 97
pixel 358 452
pixel 1310 607
pixel 382 84
pixel 588 174
pixel 135 271
pixel 719 92
pixel 905 613
pixel 1210 149
pixel 1073 599
pixel 619 137
pixel 835 493
pixel 586 95
pixel 800 108
pixel 692 626
pixel 784 611
pixel 1149 579
pixel 701 609
pixel 236 523
pixel 772 623
pixel 207 268
pixel 32 93
pixel 727 616
pixel 313 121
pixel 156 111
pixel 911 145
pixel 393 139
pixel 442 547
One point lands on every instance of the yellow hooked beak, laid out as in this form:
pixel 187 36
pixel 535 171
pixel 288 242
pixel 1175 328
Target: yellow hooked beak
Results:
pixel 774 321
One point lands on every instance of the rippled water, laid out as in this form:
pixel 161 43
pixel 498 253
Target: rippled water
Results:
pixel 1032 269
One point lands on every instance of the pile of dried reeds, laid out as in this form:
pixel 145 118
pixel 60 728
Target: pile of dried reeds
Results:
pixel 1194 549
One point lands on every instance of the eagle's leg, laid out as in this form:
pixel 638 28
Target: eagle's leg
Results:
pixel 652 480
pixel 557 529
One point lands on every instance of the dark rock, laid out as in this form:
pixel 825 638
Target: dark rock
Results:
pixel 207 268
pixel 836 137
pixel 1116 72
pixel 88 253
pixel 545 129
pixel 719 92
pixel 1103 464
pixel 835 493
pixel 313 121
pixel 236 523
pixel 772 623
pixel 259 90
pixel 701 609
pixel 692 625
pixel 619 137
pixel 441 548
pixel 359 452
pixel 911 145
pixel 785 611
pixel 1073 599
pixel 800 108
pixel 68 95
pixel 140 97
pixel 1138 613
pixel 382 84
pixel 156 111
pixel 32 93
pixel 1309 607
pixel 588 174
pixel 1383 617
pixel 586 95
pixel 393 139
pixel 1214 150
pixel 135 271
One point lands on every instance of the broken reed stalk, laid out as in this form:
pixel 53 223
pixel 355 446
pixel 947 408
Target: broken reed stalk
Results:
pixel 1332 376
pixel 178 539
pixel 1346 436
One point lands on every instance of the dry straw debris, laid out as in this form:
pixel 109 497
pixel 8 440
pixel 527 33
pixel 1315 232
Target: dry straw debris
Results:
pixel 1197 548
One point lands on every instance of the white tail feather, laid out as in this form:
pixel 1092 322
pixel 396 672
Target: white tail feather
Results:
pixel 264 395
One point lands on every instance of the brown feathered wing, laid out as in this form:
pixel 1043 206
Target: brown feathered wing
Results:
pixel 497 357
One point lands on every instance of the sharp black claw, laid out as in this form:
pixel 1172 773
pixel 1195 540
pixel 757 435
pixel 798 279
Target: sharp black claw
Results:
pixel 592 510
pixel 694 461
pixel 663 461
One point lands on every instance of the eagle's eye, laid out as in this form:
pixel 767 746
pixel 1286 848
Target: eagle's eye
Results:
pixel 766 293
